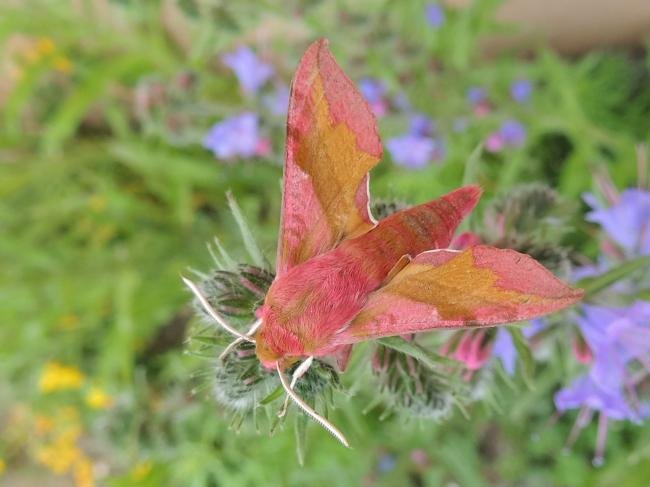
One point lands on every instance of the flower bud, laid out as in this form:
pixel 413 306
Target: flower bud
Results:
pixel 236 294
pixel 240 380
pixel 582 350
pixel 410 386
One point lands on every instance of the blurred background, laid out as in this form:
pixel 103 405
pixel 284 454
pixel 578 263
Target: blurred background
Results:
pixel 124 123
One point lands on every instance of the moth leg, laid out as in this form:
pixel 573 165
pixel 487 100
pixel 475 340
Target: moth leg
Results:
pixel 297 374
pixel 305 407
pixel 251 331
pixel 211 311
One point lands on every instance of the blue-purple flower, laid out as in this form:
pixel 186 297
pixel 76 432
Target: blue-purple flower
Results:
pixel 627 221
pixel 278 101
pixel 435 15
pixel 504 346
pixel 478 98
pixel 511 134
pixel 521 90
pixel 584 392
pixel 616 336
pixel 418 147
pixel 386 463
pixel 476 95
pixel 504 349
pixel 422 125
pixel 237 136
pixel 414 151
pixel 374 91
pixel 251 72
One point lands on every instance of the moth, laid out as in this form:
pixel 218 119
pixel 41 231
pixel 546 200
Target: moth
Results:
pixel 342 277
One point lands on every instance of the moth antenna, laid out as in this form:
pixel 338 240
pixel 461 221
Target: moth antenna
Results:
pixel 305 407
pixel 210 310
pixel 237 341
pixel 297 374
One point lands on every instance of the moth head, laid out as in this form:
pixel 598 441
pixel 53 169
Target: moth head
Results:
pixel 264 352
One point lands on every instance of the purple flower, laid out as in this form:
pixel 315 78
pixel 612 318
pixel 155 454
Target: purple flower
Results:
pixel 401 102
pixel 521 90
pixel 616 336
pixel 374 91
pixel 422 125
pixel 415 151
pixel 386 463
pixel 513 133
pixel 536 326
pixel 236 136
pixel 249 69
pixel 504 349
pixel 417 147
pixel 476 95
pixel 494 142
pixel 585 392
pixel 627 222
pixel 278 101
pixel 435 15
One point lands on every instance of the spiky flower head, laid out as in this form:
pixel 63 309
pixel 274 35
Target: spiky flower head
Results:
pixel 238 380
pixel 530 219
pixel 411 387
pixel 237 293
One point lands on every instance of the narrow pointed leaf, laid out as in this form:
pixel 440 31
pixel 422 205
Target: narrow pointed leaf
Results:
pixel 593 285
pixel 249 240
pixel 525 356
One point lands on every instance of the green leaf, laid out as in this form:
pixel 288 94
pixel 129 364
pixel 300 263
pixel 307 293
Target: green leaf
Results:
pixel 527 361
pixel 249 240
pixel 65 121
pixel 209 340
pixel 593 285
pixel 430 359
pixel 471 168
pixel 275 394
pixel 226 262
pixel 300 429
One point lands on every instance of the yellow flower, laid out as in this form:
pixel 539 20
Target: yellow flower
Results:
pixel 62 64
pixel 141 471
pixel 45 46
pixel 83 473
pixel 96 398
pixel 61 455
pixel 58 377
pixel 43 424
pixel 3 466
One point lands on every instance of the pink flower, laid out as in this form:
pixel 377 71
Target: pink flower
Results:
pixel 494 142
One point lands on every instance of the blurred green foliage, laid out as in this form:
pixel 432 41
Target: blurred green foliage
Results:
pixel 103 207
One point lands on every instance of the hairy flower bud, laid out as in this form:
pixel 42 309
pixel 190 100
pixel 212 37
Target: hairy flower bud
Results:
pixel 240 380
pixel 410 386
pixel 236 294
pixel 529 219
